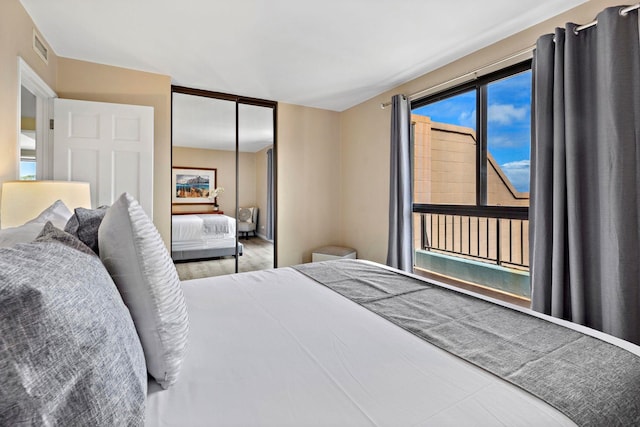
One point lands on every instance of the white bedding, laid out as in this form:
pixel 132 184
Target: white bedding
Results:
pixel 202 227
pixel 199 244
pixel 274 348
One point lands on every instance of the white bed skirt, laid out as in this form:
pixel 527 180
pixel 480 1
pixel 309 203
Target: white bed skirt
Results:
pixel 193 245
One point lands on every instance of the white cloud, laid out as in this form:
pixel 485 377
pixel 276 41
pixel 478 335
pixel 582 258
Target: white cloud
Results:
pixel 505 114
pixel 503 142
pixel 518 164
pixel 518 173
pixel 468 119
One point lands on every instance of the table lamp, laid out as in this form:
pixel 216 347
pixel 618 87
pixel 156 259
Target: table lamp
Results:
pixel 22 201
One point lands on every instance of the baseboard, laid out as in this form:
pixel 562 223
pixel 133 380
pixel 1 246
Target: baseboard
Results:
pixel 263 237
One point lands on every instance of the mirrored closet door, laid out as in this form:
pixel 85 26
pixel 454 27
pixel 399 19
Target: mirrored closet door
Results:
pixel 223 183
pixel 255 182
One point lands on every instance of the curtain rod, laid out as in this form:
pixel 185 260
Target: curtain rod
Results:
pixel 474 74
pixel 623 12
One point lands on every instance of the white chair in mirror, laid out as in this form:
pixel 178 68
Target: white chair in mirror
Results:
pixel 247 221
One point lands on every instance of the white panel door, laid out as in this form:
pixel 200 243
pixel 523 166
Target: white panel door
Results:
pixel 108 145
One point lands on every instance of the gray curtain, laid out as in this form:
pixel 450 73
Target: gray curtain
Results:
pixel 585 183
pixel 400 249
pixel 269 216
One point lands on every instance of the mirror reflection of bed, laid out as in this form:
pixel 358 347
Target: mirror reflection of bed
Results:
pixel 203 246
pixel 209 228
pixel 203 236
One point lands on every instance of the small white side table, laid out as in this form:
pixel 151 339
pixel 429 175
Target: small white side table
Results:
pixel 327 253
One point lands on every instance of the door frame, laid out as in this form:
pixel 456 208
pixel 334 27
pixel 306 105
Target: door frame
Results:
pixel 28 78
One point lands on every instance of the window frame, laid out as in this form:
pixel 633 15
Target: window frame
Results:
pixel 481 208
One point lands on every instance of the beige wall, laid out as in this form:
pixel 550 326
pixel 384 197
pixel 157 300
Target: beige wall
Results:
pixel 16 32
pixel 309 182
pixel 365 133
pixel 95 82
pixel 224 162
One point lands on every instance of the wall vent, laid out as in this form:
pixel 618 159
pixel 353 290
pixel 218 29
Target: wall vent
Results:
pixel 40 47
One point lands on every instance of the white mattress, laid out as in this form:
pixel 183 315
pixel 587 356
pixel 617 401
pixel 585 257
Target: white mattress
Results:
pixel 202 226
pixel 274 348
pixel 199 244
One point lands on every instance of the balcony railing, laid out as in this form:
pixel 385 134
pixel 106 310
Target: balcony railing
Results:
pixel 486 236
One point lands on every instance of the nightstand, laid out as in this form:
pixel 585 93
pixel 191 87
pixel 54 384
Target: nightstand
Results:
pixel 327 253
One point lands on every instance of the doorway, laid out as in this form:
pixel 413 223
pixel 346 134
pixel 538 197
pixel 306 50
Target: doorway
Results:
pixel 35 109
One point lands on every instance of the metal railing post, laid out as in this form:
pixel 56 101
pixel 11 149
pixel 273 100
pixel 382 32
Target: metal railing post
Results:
pixel 498 243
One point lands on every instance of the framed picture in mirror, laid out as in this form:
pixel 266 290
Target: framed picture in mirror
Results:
pixel 193 185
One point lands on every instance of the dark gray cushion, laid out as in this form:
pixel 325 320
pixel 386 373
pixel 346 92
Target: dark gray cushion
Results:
pixel 84 224
pixel 69 352
pixel 50 233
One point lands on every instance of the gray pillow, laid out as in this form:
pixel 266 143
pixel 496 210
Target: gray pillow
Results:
pixel 69 352
pixel 84 224
pixel 52 234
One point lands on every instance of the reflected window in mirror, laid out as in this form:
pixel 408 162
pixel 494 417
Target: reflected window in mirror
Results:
pixel 28 156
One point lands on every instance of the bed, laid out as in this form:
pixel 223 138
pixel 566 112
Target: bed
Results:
pixel 277 348
pixel 117 339
pixel 202 236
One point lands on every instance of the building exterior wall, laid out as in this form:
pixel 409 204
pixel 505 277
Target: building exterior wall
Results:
pixel 445 167
pixel 445 173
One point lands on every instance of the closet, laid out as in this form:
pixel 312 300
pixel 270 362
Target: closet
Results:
pixel 223 181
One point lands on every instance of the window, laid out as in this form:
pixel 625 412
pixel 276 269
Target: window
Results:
pixel 471 179
pixel 509 140
pixel 456 164
pixel 27 169
pixel 445 150
pixel 27 143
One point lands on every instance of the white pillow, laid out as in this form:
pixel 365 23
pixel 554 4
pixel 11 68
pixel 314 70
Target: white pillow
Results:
pixel 57 213
pixel 245 215
pixel 135 255
pixel 22 234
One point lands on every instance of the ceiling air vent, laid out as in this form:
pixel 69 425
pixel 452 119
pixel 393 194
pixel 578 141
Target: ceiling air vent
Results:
pixel 40 47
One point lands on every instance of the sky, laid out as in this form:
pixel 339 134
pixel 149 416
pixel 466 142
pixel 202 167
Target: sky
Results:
pixel 27 169
pixel 509 122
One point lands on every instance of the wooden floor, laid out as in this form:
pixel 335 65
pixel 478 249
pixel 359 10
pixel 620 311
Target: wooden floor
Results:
pixel 257 255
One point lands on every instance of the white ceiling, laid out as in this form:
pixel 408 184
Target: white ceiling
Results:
pixel 200 122
pixel 330 54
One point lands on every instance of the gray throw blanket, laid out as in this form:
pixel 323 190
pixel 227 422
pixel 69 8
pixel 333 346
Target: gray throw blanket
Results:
pixel 592 382
pixel 215 224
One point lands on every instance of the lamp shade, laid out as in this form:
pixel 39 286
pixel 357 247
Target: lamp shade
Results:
pixel 22 201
